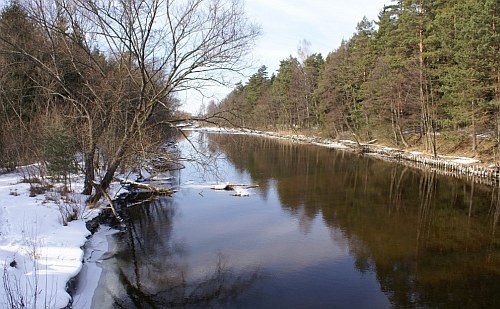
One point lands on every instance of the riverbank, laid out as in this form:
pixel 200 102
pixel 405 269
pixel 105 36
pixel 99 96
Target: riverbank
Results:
pixel 41 249
pixel 456 166
pixel 40 252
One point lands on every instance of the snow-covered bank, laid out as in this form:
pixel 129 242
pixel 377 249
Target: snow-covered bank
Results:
pixel 39 255
pixel 95 251
pixel 448 165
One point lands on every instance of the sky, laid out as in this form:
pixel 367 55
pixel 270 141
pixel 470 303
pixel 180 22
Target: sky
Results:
pixel 284 24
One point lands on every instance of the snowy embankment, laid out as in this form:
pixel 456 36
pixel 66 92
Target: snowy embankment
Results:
pixel 39 251
pixel 449 165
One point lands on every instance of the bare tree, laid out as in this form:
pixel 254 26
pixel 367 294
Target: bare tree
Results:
pixel 151 50
pixel 175 45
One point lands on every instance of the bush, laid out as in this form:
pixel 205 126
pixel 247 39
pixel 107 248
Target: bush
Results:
pixel 59 153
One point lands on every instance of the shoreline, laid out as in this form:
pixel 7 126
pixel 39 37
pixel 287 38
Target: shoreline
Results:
pixel 455 166
pixel 96 249
pixel 41 255
pixel 67 256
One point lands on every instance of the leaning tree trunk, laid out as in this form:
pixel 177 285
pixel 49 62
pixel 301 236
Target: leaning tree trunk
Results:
pixel 110 173
pixel 103 186
pixel 89 171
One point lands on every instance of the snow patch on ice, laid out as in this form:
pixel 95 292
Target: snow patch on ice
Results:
pixel 239 191
pixel 220 186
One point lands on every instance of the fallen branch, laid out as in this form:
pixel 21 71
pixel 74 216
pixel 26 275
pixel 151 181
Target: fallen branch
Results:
pixel 110 201
pixel 230 187
pixel 154 189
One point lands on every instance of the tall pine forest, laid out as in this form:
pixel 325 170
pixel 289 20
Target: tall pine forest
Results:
pixel 425 74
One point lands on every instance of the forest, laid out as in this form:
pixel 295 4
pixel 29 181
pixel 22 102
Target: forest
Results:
pixel 425 74
pixel 91 86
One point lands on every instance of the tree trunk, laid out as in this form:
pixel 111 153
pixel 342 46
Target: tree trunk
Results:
pixel 110 173
pixel 401 135
pixel 426 121
pixel 498 135
pixel 393 124
pixel 474 137
pixel 117 158
pixel 423 106
pixel 89 172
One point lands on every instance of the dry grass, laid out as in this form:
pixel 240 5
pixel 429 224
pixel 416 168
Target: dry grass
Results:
pixel 486 151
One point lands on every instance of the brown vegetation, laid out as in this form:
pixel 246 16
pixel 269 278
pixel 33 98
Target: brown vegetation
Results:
pixel 104 79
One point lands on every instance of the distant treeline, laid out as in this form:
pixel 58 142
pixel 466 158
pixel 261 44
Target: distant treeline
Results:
pixel 423 67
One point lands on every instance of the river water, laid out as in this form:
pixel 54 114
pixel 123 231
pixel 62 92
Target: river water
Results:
pixel 324 229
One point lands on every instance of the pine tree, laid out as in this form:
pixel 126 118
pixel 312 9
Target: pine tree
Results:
pixel 283 91
pixel 21 97
pixel 331 93
pixel 469 76
pixel 311 69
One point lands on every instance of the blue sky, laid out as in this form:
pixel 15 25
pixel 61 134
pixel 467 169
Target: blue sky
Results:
pixel 285 23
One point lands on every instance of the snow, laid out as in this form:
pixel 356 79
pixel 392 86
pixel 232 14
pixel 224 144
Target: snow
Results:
pixel 334 145
pixel 38 253
pixel 145 174
pixel 88 279
pixel 346 141
pixel 220 186
pixel 460 160
pixel 240 191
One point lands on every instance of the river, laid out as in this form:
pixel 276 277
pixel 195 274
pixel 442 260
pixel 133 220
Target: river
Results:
pixel 323 229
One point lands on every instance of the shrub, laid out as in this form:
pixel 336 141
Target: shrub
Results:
pixel 59 153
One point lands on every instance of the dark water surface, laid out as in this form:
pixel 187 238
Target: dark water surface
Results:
pixel 325 229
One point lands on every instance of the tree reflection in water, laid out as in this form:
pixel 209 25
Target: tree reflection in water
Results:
pixel 430 239
pixel 151 270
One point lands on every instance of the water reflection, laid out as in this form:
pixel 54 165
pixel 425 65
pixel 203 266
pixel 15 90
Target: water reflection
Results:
pixel 328 229
pixel 149 268
pixel 431 240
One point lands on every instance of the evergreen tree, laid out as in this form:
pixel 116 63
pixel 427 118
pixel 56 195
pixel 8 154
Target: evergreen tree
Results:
pixel 252 93
pixel 21 96
pixel 331 95
pixel 284 92
pixel 312 68
pixel 464 62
